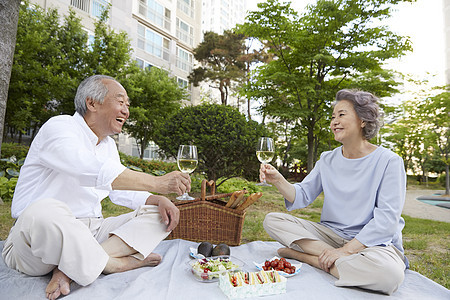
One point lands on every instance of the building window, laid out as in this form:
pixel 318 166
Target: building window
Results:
pixel 184 60
pixel 98 6
pixel 182 83
pixel 80 4
pixel 185 32
pixel 186 6
pixel 155 12
pixel 93 7
pixel 151 152
pixel 143 64
pixel 153 43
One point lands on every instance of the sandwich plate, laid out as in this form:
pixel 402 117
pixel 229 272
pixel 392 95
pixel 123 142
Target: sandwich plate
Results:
pixel 297 267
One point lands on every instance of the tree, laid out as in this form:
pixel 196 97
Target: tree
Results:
pixel 111 51
pixel 225 140
pixel 219 56
pixel 436 111
pixel 334 45
pixel 154 97
pixel 422 131
pixel 36 76
pixel 51 59
pixel 9 15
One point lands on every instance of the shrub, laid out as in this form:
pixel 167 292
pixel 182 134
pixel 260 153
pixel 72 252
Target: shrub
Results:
pixel 155 167
pixel 224 138
pixel 13 149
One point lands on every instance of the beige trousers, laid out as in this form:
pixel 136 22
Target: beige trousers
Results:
pixel 47 235
pixel 375 268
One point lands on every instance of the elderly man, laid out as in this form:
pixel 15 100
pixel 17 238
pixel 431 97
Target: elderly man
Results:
pixel 71 166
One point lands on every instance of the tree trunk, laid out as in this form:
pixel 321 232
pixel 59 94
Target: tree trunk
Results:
pixel 310 163
pixel 9 17
pixel 447 180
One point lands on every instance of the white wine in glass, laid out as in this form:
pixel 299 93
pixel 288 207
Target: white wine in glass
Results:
pixel 265 150
pixel 187 161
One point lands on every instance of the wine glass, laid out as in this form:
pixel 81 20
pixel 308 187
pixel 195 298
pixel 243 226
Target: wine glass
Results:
pixel 265 151
pixel 187 160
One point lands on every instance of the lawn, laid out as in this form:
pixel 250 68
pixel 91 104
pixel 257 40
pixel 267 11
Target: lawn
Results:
pixel 426 242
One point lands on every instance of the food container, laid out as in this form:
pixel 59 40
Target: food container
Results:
pixel 251 290
pixel 216 266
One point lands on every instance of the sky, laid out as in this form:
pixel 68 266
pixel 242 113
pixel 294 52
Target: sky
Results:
pixel 423 22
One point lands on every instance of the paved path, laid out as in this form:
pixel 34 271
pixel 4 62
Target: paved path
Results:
pixel 415 208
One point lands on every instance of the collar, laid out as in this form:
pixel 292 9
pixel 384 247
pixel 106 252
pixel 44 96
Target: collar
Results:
pixel 93 138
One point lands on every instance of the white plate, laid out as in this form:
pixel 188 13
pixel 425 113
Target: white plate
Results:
pixel 297 267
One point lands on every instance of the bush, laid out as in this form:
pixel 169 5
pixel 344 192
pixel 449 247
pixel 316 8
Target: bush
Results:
pixel 13 149
pixel 155 167
pixel 224 138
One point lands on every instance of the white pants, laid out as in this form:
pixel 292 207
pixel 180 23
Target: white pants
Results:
pixel 47 235
pixel 376 268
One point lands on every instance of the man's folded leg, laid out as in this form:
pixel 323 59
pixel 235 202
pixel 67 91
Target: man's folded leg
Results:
pixel 47 235
pixel 141 230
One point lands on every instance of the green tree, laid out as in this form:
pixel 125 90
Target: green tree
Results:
pixel 420 134
pixel 36 75
pixel 51 58
pixel 221 63
pixel 334 45
pixel 225 140
pixel 154 97
pixel 435 110
pixel 110 52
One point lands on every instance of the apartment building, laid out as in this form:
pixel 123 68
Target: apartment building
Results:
pixel 218 16
pixel 163 34
pixel 446 5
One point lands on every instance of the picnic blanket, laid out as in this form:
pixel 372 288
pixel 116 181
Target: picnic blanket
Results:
pixel 172 280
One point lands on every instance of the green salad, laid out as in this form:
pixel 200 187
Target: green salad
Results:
pixel 212 268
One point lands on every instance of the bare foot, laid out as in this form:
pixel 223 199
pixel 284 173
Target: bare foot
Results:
pixel 152 260
pixel 59 284
pixel 287 253
pixel 122 264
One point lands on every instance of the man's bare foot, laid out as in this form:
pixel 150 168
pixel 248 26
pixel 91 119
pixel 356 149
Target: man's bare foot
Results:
pixel 59 284
pixel 122 264
pixel 152 260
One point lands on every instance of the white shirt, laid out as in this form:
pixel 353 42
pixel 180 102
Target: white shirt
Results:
pixel 65 163
pixel 364 197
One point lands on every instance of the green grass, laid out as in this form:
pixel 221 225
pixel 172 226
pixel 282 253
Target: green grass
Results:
pixel 426 242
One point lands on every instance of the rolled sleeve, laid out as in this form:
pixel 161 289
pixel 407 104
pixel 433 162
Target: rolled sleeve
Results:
pixel 130 199
pixel 108 173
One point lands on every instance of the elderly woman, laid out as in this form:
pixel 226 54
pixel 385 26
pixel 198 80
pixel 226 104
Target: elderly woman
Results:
pixel 359 237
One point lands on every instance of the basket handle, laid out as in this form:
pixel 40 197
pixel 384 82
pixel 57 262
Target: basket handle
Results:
pixel 212 186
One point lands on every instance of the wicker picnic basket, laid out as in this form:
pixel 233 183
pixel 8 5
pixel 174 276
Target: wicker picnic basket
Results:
pixel 207 219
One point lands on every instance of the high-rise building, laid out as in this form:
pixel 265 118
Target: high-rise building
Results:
pixel 446 5
pixel 163 34
pixel 218 16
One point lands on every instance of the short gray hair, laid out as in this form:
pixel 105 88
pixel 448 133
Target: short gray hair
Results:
pixel 92 87
pixel 367 109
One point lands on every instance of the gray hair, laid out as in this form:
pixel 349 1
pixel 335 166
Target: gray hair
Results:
pixel 367 109
pixel 92 87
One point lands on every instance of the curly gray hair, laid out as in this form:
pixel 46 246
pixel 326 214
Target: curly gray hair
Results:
pixel 366 107
pixel 92 87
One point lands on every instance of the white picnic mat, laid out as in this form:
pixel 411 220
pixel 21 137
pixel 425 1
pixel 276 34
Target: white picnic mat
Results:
pixel 171 280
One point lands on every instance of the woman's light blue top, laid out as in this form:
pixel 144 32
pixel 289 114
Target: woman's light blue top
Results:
pixel 364 197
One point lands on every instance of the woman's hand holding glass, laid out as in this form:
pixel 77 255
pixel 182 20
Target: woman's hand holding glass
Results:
pixel 265 150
